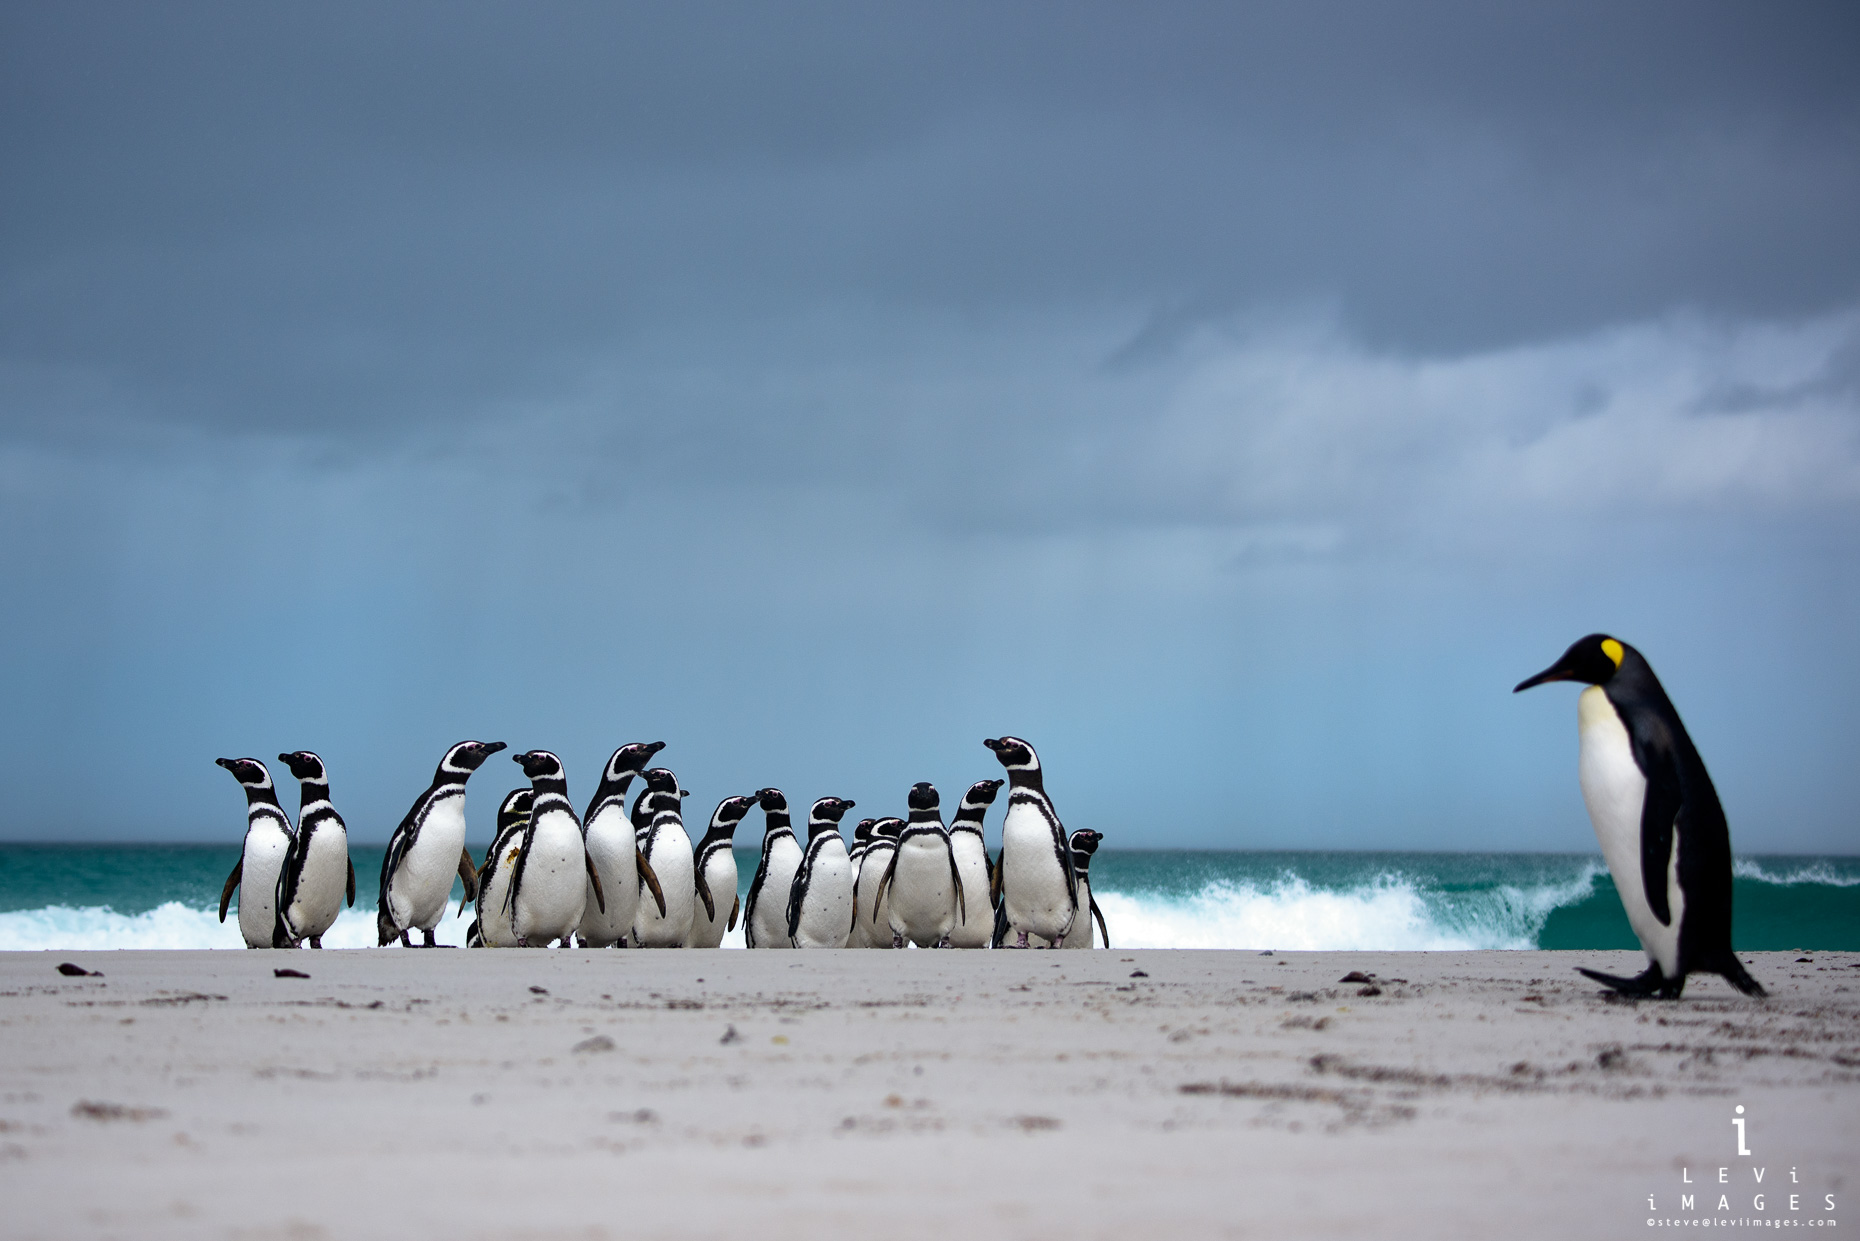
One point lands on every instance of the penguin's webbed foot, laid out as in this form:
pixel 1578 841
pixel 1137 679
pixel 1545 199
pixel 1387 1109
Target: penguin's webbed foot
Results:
pixel 430 941
pixel 1020 940
pixel 523 941
pixel 943 943
pixel 1735 974
pixel 406 940
pixel 897 940
pixel 316 941
pixel 1649 982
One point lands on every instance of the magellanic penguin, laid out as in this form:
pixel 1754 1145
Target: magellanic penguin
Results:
pixel 428 849
pixel 965 841
pixel 550 887
pixel 862 840
pixel 713 864
pixel 317 871
pixel 820 902
pixel 666 848
pixel 267 842
pixel 765 913
pixel 613 848
pixel 1039 892
pixel 922 887
pixel 1657 818
pixel 871 912
pixel 1085 843
pixel 491 928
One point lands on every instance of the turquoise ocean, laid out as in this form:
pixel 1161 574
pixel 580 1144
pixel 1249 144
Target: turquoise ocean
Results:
pixel 71 897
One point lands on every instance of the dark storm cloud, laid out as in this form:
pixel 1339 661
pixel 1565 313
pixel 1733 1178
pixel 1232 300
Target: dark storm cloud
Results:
pixel 357 219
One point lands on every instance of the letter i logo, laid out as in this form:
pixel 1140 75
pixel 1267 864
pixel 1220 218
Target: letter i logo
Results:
pixel 1738 1120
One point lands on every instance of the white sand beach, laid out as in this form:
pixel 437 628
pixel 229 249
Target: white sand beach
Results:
pixel 922 1094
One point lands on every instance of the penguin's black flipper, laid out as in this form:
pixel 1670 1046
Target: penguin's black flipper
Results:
pixel 1648 982
pixel 735 908
pixel 594 877
pixel 351 862
pixel 232 881
pixel 703 891
pixel 1001 926
pixel 651 880
pixel 1099 914
pixel 994 883
pixel 468 873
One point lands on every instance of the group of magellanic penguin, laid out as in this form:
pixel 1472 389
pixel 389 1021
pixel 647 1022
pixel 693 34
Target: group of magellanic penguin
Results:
pixel 619 877
pixel 551 876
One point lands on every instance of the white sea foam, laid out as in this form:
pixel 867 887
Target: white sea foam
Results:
pixel 1814 872
pixel 1388 914
pixel 1392 912
pixel 172 925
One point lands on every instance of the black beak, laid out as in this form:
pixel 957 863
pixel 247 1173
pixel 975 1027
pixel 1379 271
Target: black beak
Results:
pixel 492 747
pixel 1557 672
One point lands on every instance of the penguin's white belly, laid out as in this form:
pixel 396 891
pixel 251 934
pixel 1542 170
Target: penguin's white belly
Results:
pixel 669 855
pixel 1033 882
pixel 615 853
pixel 719 879
pixel 1614 791
pixel 873 929
pixel 826 907
pixel 555 882
pixel 321 885
pixel 978 928
pixel 1082 927
pixel 922 895
pixel 419 891
pixel 493 917
pixel 263 862
pixel 771 920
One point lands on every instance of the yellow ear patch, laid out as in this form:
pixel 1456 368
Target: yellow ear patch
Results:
pixel 1612 649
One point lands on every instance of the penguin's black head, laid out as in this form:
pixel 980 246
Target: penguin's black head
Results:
pixel 982 792
pixel 540 765
pixel 1594 660
pixel 924 797
pixel 1014 754
pixel 829 810
pixel 468 756
pixel 632 759
pixel 888 828
pixel 661 780
pixel 771 799
pixel 247 771
pixel 304 765
pixel 515 809
pixel 1086 841
pixel 730 812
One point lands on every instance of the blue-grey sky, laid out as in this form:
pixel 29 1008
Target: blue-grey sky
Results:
pixel 1235 401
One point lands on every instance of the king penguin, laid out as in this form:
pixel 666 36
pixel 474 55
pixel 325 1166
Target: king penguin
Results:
pixel 1656 815
pixel 965 841
pixel 714 865
pixel 820 903
pixel 613 849
pixel 317 871
pixel 491 928
pixel 871 913
pixel 428 849
pixel 922 886
pixel 549 888
pixel 765 913
pixel 267 842
pixel 665 848
pixel 1039 892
